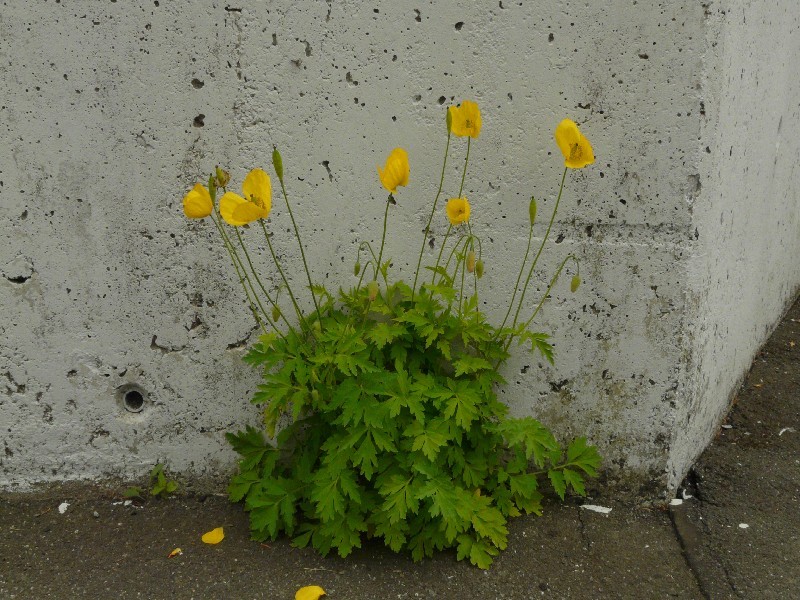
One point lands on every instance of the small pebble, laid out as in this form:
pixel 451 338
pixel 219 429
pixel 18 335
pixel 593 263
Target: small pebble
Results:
pixel 95 514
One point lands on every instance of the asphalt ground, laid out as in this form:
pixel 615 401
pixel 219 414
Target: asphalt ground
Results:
pixel 738 536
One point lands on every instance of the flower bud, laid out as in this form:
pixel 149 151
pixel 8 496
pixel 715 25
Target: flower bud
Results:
pixel 449 120
pixel 470 261
pixel 372 290
pixel 276 313
pixel 315 395
pixel 532 210
pixel 223 177
pixel 277 162
pixel 212 189
pixel 573 286
pixel 479 269
pixel 356 268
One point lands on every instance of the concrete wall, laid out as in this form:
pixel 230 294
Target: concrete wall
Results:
pixel 111 111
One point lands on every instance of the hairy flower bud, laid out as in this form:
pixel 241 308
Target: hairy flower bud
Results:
pixel 276 313
pixel 223 177
pixel 479 269
pixel 470 261
pixel 372 290
pixel 212 188
pixel 356 268
pixel 532 210
pixel 277 162
pixel 573 286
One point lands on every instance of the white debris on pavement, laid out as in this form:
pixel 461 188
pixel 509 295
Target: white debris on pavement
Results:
pixel 675 502
pixel 784 430
pixel 726 426
pixel 62 508
pixel 685 495
pixel 593 507
pixel 743 525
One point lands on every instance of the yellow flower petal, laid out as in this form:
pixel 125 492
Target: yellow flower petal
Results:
pixel 174 553
pixel 465 120
pixel 458 210
pixel 396 170
pixel 257 189
pixel 248 212
pixel 197 203
pixel 574 146
pixel 309 592
pixel 227 206
pixel 215 536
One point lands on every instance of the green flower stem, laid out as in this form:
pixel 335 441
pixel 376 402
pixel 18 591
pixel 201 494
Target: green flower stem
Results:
pixel 364 269
pixel 255 275
pixel 541 247
pixel 441 249
pixel 519 277
pixel 466 161
pixel 282 274
pixel 244 280
pixel 452 253
pixel 389 201
pixel 463 262
pixel 550 287
pixel 430 218
pixel 302 252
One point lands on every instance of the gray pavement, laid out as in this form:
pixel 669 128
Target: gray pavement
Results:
pixel 737 537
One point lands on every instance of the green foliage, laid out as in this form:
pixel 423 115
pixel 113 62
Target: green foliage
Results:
pixel 390 427
pixel 160 486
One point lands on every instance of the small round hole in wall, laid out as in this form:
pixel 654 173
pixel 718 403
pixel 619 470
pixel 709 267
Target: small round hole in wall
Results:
pixel 133 398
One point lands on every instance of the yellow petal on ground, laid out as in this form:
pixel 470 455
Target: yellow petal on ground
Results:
pixel 573 144
pixel 309 592
pixel 174 553
pixel 215 536
pixel 197 203
pixel 227 206
pixel 396 170
pixel 458 210
pixel 465 120
pixel 257 188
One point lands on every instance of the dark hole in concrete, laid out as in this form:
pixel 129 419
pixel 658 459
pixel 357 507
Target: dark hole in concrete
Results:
pixel 133 401
pixel 198 120
pixel 197 84
pixel 459 25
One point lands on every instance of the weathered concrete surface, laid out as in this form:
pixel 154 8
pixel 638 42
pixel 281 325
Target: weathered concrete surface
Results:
pixel 742 531
pixel 112 110
pixel 568 553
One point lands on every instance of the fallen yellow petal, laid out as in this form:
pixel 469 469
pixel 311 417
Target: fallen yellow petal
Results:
pixel 310 592
pixel 215 536
pixel 174 553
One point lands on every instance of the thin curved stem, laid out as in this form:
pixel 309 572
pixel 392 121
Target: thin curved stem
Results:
pixel 541 247
pixel 282 274
pixel 466 161
pixel 244 280
pixel 389 202
pixel 519 278
pixel 302 252
pixel 256 277
pixel 430 218
pixel 550 287
pixel 441 249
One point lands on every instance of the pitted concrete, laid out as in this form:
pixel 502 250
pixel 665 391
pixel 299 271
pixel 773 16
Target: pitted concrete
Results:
pixel 686 225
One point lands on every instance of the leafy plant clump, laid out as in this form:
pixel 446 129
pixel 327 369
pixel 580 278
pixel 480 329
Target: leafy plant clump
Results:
pixel 160 485
pixel 383 397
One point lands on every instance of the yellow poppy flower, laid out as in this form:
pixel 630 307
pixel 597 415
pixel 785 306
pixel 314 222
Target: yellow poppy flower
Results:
pixel 458 210
pixel 256 204
pixel 465 120
pixel 395 172
pixel 574 146
pixel 197 203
